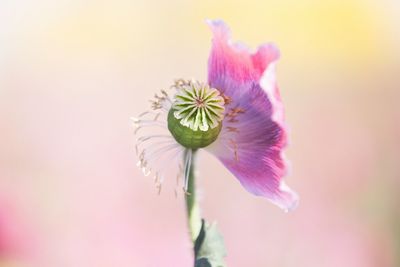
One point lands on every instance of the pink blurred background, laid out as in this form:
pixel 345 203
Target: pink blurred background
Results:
pixel 72 73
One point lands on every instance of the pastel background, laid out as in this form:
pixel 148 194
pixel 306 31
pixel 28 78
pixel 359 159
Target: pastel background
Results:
pixel 72 73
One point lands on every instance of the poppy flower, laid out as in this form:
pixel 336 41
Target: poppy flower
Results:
pixel 237 116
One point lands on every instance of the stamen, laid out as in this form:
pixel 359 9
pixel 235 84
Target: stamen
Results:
pixel 138 128
pixel 180 82
pixel 167 164
pixel 155 122
pixel 156 153
pixel 148 113
pixel 148 137
pixel 232 129
pixel 156 149
pixel 188 164
pixel 160 101
pixel 235 149
pixel 180 172
pixel 227 99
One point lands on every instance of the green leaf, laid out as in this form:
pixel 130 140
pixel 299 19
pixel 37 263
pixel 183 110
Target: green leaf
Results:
pixel 209 247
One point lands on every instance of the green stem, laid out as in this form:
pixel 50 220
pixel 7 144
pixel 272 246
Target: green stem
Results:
pixel 208 245
pixel 192 207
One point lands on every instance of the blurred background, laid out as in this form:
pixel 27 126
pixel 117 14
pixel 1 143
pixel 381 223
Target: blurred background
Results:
pixel 72 73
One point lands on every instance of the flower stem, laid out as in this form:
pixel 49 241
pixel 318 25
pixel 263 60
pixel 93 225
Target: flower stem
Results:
pixel 192 207
pixel 208 245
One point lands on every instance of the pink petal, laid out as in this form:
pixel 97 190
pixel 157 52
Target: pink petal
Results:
pixel 231 63
pixel 250 144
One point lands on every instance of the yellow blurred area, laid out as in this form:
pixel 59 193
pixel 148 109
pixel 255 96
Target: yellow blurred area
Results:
pixel 350 39
pixel 334 31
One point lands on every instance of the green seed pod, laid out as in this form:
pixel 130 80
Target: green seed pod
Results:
pixel 195 118
pixel 188 137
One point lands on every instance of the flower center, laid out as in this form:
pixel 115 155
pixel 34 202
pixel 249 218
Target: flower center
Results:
pixel 195 118
pixel 199 102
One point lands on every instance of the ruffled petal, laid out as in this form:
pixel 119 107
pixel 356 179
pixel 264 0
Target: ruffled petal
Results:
pixel 254 133
pixel 231 64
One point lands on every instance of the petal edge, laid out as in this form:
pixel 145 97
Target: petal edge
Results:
pixel 251 142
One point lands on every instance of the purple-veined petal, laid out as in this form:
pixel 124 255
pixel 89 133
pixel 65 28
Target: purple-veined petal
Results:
pixel 254 132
